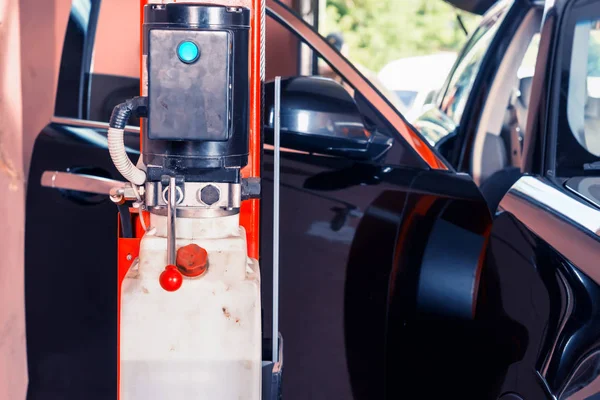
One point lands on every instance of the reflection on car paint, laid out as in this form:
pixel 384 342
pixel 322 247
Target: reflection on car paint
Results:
pixel 324 230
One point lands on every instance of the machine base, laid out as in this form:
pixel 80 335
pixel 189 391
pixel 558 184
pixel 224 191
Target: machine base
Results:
pixel 202 341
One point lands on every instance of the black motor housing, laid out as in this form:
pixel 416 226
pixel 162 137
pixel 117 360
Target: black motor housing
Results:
pixel 196 79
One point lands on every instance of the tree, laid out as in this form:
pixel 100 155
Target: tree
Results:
pixel 379 31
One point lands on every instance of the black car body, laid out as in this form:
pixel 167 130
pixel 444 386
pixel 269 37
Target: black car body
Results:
pixel 355 236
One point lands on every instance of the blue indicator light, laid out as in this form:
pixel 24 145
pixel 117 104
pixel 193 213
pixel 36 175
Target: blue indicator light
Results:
pixel 188 52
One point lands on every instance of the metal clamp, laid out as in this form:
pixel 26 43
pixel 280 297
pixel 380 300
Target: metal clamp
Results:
pixel 196 194
pixel 195 199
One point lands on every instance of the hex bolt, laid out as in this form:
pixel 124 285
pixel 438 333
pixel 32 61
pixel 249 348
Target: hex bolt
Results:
pixel 209 195
pixel 129 257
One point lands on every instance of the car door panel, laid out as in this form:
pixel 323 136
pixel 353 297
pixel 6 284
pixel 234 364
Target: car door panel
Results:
pixel 70 273
pixel 546 263
pixel 391 341
pixel 545 241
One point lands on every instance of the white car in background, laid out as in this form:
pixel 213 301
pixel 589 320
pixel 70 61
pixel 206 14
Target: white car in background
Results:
pixel 416 80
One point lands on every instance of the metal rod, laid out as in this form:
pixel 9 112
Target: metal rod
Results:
pixel 171 212
pixel 81 123
pixel 276 134
pixel 80 182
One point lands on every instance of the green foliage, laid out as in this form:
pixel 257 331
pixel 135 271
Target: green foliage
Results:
pixel 378 31
pixel 594 54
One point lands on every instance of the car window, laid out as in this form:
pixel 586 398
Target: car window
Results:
pixel 116 61
pixel 583 106
pixel 520 99
pixel 374 128
pixel 117 48
pixel 466 69
pixel 407 97
pixel 576 150
pixel 527 67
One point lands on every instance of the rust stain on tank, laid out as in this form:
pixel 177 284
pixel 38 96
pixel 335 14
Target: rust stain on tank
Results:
pixel 226 313
pixel 247 364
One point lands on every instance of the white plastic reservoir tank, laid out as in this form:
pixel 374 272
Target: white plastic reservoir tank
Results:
pixel 202 341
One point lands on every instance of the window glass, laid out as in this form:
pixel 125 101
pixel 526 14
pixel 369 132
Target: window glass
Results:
pixel 402 47
pixel 117 45
pixel 370 136
pixel 465 73
pixel 583 104
pixel 350 128
pixel 527 67
pixel 116 60
pixel 365 132
pixel 520 100
pixel 575 150
pixel 407 97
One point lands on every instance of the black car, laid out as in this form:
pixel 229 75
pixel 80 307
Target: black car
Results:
pixel 401 275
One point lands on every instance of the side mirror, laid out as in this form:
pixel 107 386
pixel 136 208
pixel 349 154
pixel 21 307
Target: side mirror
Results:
pixel 319 116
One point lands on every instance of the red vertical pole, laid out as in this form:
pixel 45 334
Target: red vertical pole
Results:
pixel 250 213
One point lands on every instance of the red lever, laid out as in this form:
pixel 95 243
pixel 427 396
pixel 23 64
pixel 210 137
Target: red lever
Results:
pixel 170 279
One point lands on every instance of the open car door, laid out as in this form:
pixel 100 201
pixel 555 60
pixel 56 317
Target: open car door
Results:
pixel 415 294
pixel 382 243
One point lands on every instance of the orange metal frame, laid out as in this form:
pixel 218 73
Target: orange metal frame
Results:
pixel 250 212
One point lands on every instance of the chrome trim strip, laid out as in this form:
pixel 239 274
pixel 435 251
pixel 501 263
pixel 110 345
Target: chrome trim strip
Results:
pixel 581 187
pixel 564 318
pixel 567 224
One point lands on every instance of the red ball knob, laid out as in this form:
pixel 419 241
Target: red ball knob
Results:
pixel 170 279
